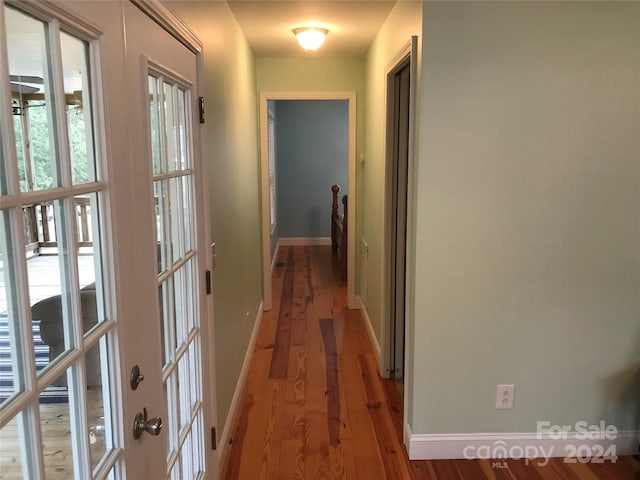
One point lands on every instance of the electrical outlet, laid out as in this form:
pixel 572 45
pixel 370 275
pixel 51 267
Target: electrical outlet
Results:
pixel 504 397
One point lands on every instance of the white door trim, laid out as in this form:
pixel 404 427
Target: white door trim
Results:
pixel 386 342
pixel 410 50
pixel 164 17
pixel 350 97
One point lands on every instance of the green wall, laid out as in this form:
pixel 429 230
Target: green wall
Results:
pixel 322 74
pixel 232 156
pixel 528 221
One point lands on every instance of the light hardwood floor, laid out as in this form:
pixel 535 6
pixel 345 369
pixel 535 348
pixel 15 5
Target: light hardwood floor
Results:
pixel 44 277
pixel 56 440
pixel 314 406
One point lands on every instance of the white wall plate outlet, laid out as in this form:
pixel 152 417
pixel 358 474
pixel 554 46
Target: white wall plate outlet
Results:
pixel 504 397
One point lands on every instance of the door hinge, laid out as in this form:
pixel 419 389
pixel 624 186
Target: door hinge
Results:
pixel 214 441
pixel 207 281
pixel 201 108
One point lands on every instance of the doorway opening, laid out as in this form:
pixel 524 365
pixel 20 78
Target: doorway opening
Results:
pixel 267 175
pixel 401 76
pixel 399 105
pixel 308 152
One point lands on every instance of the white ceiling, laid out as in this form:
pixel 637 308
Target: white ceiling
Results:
pixel 352 25
pixel 26 48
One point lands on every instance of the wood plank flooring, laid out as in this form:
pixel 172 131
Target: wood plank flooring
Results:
pixel 314 406
pixel 44 277
pixel 55 426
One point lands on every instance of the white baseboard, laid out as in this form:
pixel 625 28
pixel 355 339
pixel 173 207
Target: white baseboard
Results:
pixel 295 241
pixel 237 394
pixel 516 445
pixel 372 336
pixel 407 435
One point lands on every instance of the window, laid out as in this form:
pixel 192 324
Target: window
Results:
pixel 271 126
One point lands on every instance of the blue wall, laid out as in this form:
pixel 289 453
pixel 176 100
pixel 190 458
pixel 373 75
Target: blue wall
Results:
pixel 312 139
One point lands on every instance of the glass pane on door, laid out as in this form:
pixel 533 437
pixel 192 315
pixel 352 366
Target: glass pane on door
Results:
pixel 75 63
pixel 12 379
pixel 57 447
pixel 33 97
pixel 170 114
pixel 11 458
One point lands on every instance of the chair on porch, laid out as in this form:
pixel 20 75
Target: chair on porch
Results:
pixel 49 313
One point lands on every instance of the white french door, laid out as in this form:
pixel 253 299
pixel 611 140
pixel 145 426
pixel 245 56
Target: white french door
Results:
pixel 102 247
pixel 162 79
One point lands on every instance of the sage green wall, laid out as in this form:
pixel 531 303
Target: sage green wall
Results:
pixel 232 156
pixel 528 216
pixel 404 21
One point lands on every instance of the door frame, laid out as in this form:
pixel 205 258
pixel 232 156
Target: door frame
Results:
pixel 176 27
pixel 350 97
pixel 408 51
pixel 397 180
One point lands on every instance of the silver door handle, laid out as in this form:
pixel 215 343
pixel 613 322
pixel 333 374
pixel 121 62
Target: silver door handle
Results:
pixel 153 426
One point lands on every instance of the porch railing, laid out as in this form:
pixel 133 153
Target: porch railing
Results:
pixel 40 225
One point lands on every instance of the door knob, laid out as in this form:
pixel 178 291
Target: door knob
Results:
pixel 141 424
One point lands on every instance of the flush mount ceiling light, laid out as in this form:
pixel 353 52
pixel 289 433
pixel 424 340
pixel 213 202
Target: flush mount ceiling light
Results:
pixel 310 38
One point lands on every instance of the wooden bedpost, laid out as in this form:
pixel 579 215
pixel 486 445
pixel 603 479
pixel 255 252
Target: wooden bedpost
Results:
pixel 335 215
pixel 343 240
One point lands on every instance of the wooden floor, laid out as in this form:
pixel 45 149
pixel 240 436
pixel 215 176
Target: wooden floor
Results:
pixel 55 427
pixel 314 406
pixel 44 277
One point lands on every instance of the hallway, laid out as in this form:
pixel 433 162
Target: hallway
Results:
pixel 314 406
pixel 298 419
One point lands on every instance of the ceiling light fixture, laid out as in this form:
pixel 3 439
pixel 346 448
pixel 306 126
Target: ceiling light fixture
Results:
pixel 310 38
